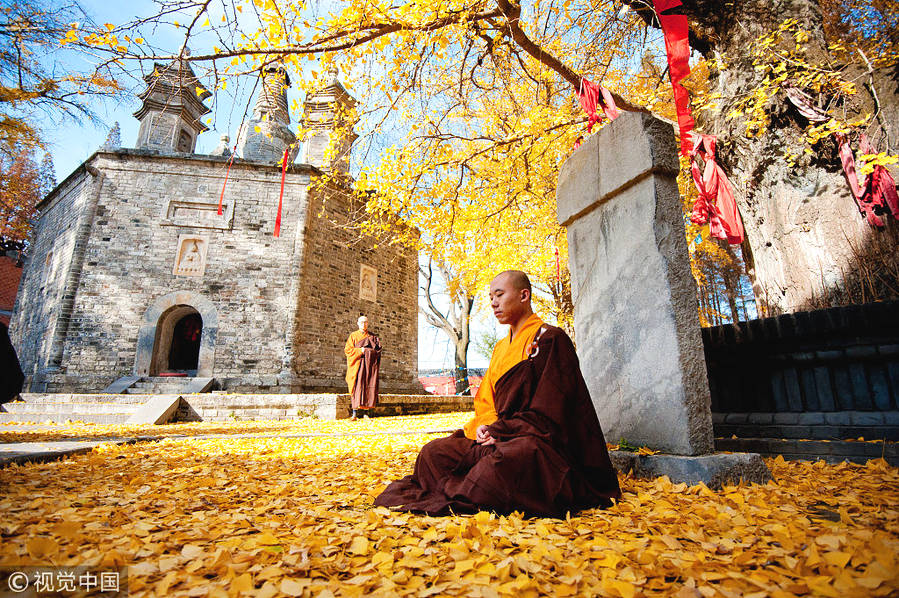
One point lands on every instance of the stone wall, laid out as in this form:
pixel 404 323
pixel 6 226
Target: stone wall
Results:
pixel 331 301
pixel 249 275
pixel 38 301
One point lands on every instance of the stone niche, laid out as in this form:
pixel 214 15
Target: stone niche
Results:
pixel 190 257
pixel 368 283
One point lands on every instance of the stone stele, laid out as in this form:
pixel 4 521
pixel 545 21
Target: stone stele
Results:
pixel 635 303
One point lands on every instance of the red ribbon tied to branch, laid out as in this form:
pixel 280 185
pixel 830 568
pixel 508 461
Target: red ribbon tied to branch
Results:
pixel 281 195
pixel 676 31
pixel 716 204
pixel 589 96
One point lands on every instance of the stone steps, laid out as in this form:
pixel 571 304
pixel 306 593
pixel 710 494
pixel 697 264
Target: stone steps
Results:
pixel 69 408
pixel 813 450
pixel 61 418
pixel 44 398
pixel 147 389
pixel 98 409
pixel 117 408
pixel 161 385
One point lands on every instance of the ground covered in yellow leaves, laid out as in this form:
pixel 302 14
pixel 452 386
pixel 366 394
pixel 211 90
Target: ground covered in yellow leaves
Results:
pixel 293 516
pixel 41 432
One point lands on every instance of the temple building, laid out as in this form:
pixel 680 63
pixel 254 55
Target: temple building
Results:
pixel 158 261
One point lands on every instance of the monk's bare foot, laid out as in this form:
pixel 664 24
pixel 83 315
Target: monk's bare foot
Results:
pixel 353 418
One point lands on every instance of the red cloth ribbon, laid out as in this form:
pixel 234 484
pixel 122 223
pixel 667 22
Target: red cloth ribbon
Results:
pixel 675 30
pixel 281 195
pixel 877 193
pixel 227 172
pixel 589 96
pixel 880 185
pixel 716 204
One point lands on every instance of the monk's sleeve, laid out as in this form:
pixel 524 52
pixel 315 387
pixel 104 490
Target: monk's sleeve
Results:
pixel 350 349
pixel 484 409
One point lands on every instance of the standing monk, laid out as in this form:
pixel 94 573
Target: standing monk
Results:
pixel 363 362
pixel 534 444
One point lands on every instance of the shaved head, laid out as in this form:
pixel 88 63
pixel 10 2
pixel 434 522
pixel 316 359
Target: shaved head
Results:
pixel 510 298
pixel 518 279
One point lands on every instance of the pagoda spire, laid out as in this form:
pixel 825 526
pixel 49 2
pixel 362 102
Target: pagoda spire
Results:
pixel 265 136
pixel 171 109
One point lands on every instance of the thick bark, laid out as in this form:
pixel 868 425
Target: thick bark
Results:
pixel 809 245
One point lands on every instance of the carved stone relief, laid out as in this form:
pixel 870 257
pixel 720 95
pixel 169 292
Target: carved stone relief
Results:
pixel 190 258
pixel 368 283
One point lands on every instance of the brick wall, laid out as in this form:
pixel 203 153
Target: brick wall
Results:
pixel 330 299
pixel 49 259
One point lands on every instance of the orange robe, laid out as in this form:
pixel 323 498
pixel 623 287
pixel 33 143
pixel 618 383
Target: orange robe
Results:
pixel 353 357
pixel 507 353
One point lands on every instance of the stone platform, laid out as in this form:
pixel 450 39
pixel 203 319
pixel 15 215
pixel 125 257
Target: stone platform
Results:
pixel 216 406
pixel 714 470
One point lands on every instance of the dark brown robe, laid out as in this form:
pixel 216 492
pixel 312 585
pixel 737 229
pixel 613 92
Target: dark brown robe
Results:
pixel 550 457
pixel 365 391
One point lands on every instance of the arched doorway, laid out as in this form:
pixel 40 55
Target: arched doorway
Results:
pixel 178 333
pixel 184 352
pixel 177 344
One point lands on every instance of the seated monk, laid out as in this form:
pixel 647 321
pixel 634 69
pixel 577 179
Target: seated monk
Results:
pixel 534 444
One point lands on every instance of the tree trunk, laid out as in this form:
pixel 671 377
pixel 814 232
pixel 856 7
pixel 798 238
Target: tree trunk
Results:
pixel 807 238
pixel 455 322
pixel 461 372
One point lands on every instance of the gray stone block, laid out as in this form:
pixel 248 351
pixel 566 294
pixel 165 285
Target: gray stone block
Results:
pixel 636 315
pixel 797 432
pixel 120 385
pixel 837 418
pixel 786 419
pixel 811 418
pixel 866 418
pixel 158 410
pixel 760 418
pixel 715 470
pixel 861 352
pixel 827 432
pixel 736 418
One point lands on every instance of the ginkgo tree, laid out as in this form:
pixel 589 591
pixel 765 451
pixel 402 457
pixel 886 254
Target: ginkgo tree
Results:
pixel 468 106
